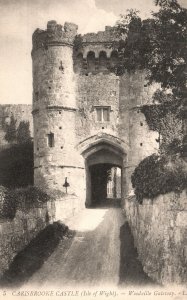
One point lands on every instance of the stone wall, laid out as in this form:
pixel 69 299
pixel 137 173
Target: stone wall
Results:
pixel 67 207
pixel 124 95
pixel 159 227
pixel 92 91
pixel 17 233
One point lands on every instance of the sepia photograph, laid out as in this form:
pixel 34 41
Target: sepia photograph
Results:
pixel 93 149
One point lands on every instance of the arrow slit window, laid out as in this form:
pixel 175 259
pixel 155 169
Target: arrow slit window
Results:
pixel 51 141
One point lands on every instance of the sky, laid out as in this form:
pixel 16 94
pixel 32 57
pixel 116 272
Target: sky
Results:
pixel 19 19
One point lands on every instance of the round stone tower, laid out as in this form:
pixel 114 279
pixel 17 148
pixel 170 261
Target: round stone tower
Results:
pixel 54 108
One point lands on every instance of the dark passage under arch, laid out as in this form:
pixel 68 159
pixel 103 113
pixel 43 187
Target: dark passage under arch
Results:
pixel 104 168
pixel 105 184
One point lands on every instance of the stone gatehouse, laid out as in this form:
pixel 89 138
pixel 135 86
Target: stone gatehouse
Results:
pixel 85 116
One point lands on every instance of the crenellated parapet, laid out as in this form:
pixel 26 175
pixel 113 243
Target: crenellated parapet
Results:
pixel 107 36
pixel 96 52
pixel 55 34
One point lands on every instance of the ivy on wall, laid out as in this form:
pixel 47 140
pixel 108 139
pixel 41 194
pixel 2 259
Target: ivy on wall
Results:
pixel 157 175
pixel 77 42
pixel 24 198
pixel 166 119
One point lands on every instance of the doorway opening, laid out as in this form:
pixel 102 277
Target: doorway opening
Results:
pixel 105 175
pixel 105 184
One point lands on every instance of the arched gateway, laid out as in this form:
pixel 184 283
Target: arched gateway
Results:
pixel 102 152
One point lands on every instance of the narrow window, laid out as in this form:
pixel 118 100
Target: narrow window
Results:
pixel 103 114
pixel 50 139
pixel 99 114
pixel 106 115
pixel 36 96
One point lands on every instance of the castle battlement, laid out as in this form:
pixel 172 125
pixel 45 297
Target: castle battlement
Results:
pixel 55 34
pixel 96 52
pixel 107 36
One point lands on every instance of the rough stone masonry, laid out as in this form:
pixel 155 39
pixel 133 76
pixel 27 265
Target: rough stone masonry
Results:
pixel 84 114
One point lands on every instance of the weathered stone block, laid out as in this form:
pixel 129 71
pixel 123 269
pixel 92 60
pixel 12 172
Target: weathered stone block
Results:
pixel 181 219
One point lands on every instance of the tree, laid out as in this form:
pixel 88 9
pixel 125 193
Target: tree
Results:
pixel 10 130
pixel 23 132
pixel 165 3
pixel 168 60
pixel 131 42
pixel 17 165
pixel 171 56
pixel 159 46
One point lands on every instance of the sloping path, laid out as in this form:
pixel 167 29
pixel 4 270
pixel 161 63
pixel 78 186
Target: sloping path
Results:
pixel 94 257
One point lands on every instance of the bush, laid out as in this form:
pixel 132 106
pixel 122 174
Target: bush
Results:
pixel 10 130
pixel 24 198
pixel 23 132
pixel 7 205
pixel 29 197
pixel 156 175
pixel 3 192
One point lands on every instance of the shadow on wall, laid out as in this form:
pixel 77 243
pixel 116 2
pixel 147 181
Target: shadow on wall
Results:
pixel 30 259
pixel 131 271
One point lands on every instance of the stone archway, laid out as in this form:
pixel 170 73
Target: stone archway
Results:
pixel 101 152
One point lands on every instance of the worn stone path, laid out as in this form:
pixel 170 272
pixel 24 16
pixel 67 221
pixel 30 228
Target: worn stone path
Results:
pixel 92 258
